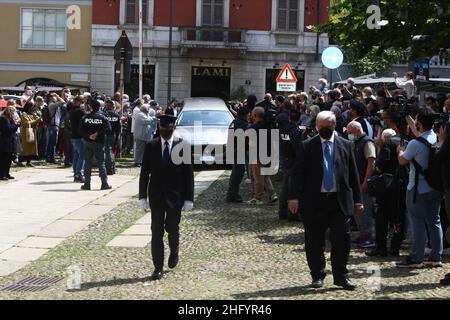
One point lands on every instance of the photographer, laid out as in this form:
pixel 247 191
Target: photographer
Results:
pixel 391 203
pixel 423 202
pixel 444 157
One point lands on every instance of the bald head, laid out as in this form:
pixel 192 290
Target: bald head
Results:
pixel 355 128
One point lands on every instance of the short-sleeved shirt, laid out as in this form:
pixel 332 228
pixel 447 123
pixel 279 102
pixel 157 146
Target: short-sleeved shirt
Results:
pixel 420 152
pixel 370 150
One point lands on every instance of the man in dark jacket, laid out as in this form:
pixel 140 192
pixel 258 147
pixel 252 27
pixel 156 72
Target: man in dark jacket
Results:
pixel 444 158
pixel 9 123
pixel 325 188
pixel 76 114
pixel 238 168
pixel 93 127
pixel 169 188
pixel 111 137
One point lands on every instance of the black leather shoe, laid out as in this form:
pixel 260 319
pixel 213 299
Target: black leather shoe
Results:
pixel 10 177
pixel 317 284
pixel 85 187
pixel 346 284
pixel 157 274
pixel 106 187
pixel 173 260
pixel 235 200
pixel 394 252
pixel 377 253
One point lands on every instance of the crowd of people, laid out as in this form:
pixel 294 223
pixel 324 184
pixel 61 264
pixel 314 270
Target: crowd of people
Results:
pixel 59 128
pixel 401 154
pixel 376 160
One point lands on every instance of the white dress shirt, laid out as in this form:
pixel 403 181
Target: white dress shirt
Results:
pixel 334 189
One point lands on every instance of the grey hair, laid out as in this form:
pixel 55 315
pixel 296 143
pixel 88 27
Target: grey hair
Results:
pixel 258 111
pixel 314 109
pixel 326 115
pixel 144 107
pixel 336 110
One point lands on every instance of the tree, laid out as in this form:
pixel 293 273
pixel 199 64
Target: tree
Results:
pixel 380 47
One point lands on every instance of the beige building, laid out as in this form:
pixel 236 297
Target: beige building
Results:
pixel 45 41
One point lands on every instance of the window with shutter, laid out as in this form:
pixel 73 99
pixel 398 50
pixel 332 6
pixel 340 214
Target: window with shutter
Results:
pixel 132 12
pixel 288 15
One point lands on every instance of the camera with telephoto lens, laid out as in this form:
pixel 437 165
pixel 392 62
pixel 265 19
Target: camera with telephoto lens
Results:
pixel 442 119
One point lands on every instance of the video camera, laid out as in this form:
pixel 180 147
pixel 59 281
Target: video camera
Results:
pixel 442 119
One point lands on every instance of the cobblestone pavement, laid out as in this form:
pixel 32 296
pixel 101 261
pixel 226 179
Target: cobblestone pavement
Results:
pixel 227 252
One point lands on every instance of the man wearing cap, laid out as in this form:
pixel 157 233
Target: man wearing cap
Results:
pixel 169 185
pixel 111 137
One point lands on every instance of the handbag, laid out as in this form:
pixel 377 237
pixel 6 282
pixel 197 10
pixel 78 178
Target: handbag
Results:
pixel 380 184
pixel 29 134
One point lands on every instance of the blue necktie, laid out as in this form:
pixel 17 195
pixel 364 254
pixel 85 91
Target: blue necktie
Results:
pixel 166 155
pixel 328 168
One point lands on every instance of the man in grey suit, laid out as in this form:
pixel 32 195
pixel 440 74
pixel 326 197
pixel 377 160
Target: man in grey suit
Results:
pixel 325 189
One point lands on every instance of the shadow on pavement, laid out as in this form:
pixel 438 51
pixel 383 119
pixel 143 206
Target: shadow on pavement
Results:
pixel 284 292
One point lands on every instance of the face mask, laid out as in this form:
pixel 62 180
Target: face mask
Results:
pixel 166 134
pixel 29 92
pixel 383 124
pixel 351 137
pixel 325 133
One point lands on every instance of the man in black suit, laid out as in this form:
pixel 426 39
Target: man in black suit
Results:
pixel 170 190
pixel 325 189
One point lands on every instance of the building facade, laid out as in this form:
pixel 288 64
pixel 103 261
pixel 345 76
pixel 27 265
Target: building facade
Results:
pixel 45 42
pixel 221 48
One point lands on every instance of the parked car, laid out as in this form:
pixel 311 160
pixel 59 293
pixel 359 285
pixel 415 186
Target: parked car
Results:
pixel 204 123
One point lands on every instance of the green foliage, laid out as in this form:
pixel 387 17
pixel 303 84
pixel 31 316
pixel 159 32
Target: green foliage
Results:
pixel 374 49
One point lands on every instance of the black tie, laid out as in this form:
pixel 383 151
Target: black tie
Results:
pixel 166 155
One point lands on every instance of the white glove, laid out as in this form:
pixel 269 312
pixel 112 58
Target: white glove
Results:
pixel 188 205
pixel 143 204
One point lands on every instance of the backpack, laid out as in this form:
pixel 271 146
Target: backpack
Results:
pixel 432 174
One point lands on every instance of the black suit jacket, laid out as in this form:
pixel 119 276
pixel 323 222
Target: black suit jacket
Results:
pixel 171 186
pixel 306 181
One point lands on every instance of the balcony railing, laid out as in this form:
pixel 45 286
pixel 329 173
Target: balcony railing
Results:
pixel 213 37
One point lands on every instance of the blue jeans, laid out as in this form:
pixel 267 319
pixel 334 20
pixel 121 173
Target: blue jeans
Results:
pixel 52 140
pixel 78 161
pixel 425 213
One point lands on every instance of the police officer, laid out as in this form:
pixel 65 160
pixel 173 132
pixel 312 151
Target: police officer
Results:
pixel 238 169
pixel 291 137
pixel 111 137
pixel 170 189
pixel 93 127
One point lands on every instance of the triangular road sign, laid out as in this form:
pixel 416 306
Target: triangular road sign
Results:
pixel 286 74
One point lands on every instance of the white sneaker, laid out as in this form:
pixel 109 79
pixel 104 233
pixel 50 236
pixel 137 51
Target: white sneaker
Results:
pixel 254 201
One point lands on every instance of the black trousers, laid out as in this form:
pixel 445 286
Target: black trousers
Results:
pixel 327 216
pixel 164 218
pixel 237 174
pixel 5 163
pixel 389 213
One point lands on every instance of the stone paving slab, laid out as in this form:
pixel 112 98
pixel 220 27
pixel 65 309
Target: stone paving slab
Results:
pixel 138 229
pixel 63 228
pixel 147 219
pixel 202 181
pixel 89 212
pixel 7 266
pixel 22 254
pixel 136 241
pixel 40 242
